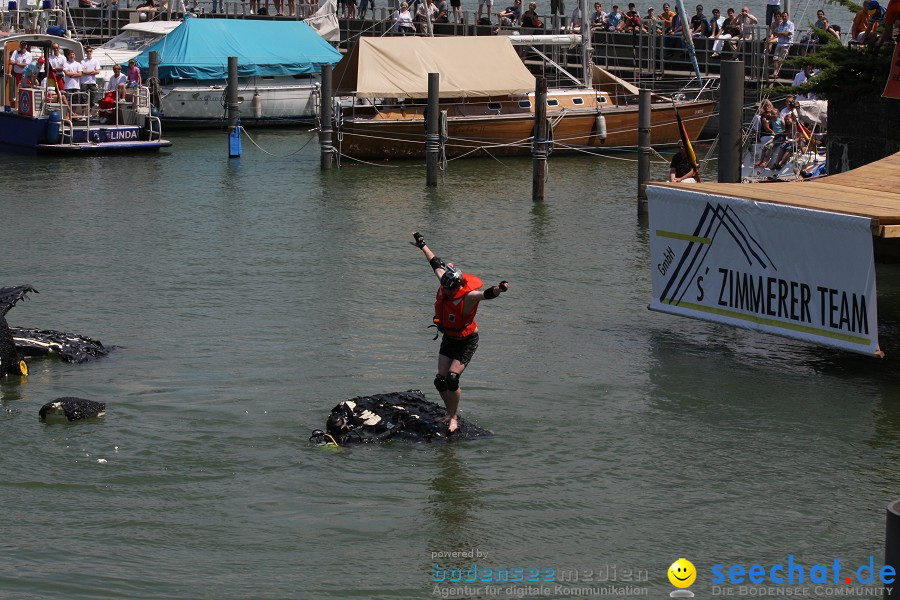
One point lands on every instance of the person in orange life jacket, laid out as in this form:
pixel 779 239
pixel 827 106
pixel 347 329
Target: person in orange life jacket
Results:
pixel 454 309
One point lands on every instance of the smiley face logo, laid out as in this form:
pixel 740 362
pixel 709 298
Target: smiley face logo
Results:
pixel 682 573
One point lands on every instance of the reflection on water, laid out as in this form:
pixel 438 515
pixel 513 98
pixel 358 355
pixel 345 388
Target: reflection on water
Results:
pixel 454 501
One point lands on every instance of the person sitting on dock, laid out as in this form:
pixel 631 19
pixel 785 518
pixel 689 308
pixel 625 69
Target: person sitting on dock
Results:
pixel 615 21
pixel 667 15
pixel 746 21
pixel 632 19
pixel 876 17
pixel 530 18
pixel 598 17
pixel 510 16
pixel 727 31
pixel 700 24
pixel 651 22
pixel 680 168
pixel 576 20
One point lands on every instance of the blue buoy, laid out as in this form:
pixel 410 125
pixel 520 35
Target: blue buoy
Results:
pixel 234 142
pixel 53 124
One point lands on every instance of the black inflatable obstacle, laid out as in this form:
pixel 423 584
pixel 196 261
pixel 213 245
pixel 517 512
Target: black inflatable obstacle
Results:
pixel 72 408
pixel 405 416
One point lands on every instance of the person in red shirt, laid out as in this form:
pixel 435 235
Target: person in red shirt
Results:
pixel 454 316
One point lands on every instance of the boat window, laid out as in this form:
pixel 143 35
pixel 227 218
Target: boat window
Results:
pixel 494 105
pixel 552 102
pixel 132 41
pixel 524 103
pixel 602 99
pixel 577 101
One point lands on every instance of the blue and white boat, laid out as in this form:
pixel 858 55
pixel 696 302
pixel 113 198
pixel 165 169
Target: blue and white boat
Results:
pixel 38 118
pixel 279 66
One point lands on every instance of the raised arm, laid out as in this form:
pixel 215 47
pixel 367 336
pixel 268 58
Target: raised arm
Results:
pixel 436 263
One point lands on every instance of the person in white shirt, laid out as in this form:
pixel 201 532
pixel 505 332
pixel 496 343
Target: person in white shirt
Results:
pixel 802 77
pixel 403 21
pixel 785 34
pixel 57 64
pixel 72 73
pixel 117 81
pixel 20 59
pixel 90 68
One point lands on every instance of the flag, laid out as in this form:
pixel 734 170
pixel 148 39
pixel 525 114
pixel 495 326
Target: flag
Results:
pixel 686 140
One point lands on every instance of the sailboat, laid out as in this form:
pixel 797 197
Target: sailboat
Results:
pixel 487 100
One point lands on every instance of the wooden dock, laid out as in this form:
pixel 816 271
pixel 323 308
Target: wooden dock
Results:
pixel 871 191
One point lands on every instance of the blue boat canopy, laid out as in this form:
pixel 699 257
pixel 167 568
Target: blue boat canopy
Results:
pixel 199 49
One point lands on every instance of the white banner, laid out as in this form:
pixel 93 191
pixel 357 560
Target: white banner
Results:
pixel 801 273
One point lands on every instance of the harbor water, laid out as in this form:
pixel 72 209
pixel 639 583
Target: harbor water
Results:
pixel 245 298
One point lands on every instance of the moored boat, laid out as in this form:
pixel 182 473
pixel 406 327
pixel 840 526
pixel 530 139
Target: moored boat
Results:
pixel 278 78
pixel 40 118
pixel 486 100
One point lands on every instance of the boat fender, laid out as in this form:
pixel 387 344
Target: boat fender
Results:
pixel 54 122
pixel 257 105
pixel 549 136
pixel 443 126
pixel 600 127
pixel 337 112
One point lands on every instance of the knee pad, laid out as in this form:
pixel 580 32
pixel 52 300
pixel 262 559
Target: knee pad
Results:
pixel 452 381
pixel 440 382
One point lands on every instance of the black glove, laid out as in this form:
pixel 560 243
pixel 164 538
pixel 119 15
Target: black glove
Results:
pixel 420 241
pixel 504 286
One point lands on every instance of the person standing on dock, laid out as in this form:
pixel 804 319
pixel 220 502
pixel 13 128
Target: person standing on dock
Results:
pixel 455 307
pixel 773 8
pixel 785 35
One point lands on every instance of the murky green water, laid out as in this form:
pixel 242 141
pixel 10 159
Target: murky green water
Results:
pixel 246 298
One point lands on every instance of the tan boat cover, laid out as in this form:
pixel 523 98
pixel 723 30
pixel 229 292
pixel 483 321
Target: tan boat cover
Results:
pixel 398 67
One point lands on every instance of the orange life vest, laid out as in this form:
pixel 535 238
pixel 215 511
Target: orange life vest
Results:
pixel 448 309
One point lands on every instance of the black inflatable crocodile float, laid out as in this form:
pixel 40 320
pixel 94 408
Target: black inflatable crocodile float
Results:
pixel 18 342
pixel 405 416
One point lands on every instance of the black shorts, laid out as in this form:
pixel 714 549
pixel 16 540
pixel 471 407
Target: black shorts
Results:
pixel 461 349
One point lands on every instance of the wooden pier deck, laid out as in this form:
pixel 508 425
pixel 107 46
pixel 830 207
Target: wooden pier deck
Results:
pixel 871 191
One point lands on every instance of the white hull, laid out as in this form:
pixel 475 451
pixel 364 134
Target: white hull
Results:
pixel 192 104
pixel 795 165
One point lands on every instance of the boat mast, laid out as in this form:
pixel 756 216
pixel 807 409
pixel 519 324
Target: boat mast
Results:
pixel 586 46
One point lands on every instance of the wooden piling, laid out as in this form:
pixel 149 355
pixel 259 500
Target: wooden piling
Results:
pixel 327 150
pixel 231 95
pixel 731 107
pixel 644 109
pixel 539 145
pixel 432 136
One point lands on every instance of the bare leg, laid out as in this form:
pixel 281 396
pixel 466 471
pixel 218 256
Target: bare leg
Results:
pixel 450 398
